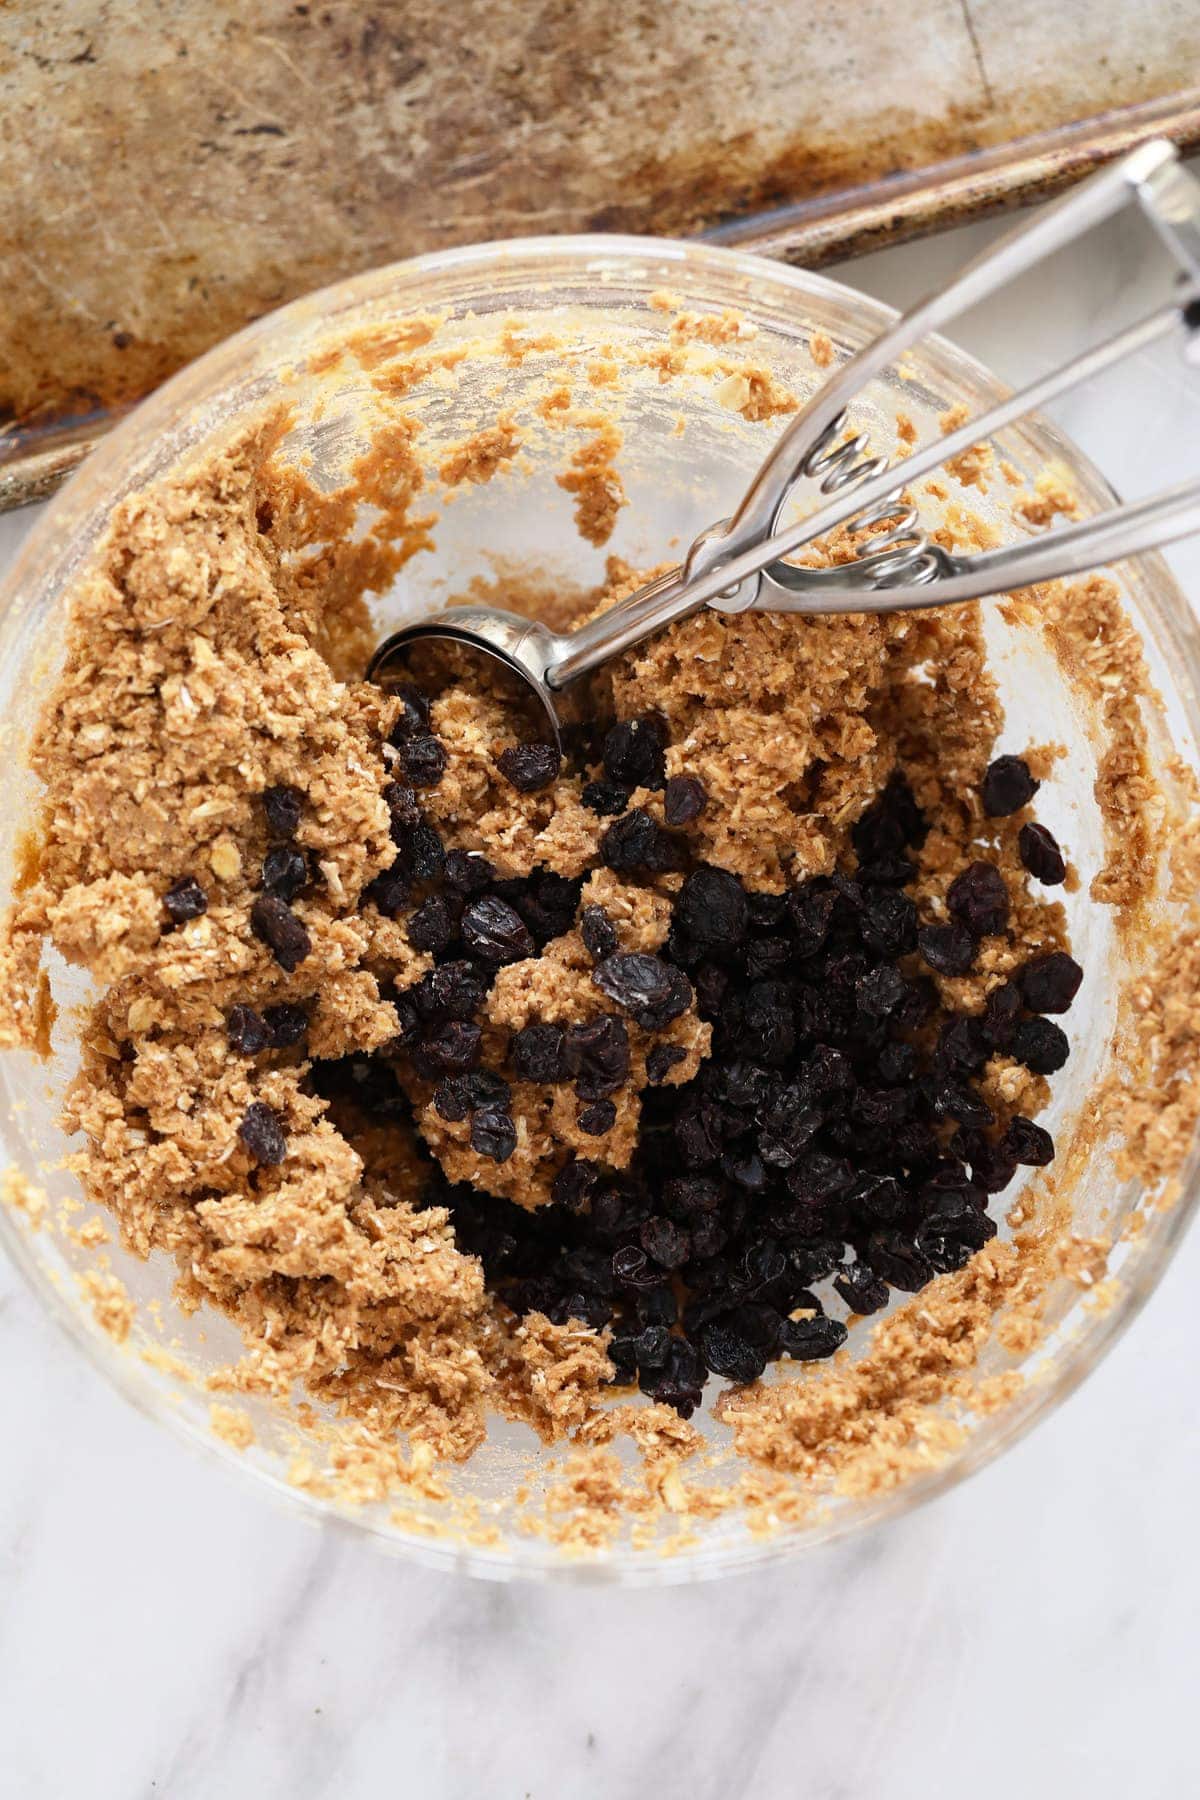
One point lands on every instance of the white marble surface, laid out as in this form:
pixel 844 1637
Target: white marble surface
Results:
pixel 164 1633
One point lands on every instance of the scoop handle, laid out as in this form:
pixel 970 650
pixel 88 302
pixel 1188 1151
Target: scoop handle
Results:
pixel 648 611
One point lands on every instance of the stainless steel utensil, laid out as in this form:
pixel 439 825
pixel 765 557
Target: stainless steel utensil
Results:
pixel 739 564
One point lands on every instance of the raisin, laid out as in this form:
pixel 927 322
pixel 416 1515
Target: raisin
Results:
pixel 713 912
pixel 743 1084
pixel 746 1169
pixel 992 1167
pixel 811 906
pixel 950 949
pixel 185 899
pixel 661 1060
pixel 899 1260
pixel 452 1048
pixel 763 1272
pixel 710 1235
pixel 287 1024
pixel 653 1346
pixel 574 1187
pixel 529 767
pixel 816 1177
pixel 633 753
pixel 879 992
pixel 282 806
pixel 810 1339
pixel 547 903
pixel 655 1302
pixel 888 922
pixel 590 1309
pixel 815 1259
pixel 880 1108
pixel 636 844
pixel 403 811
pixel 665 1241
pixel 408 1020
pixel 961 1049
pixel 789 1125
pixel 695 1140
pixel 454 990
pixel 631 1268
pixel 467 872
pixel 275 924
pixel 284 871
pixel 598 933
pixel 262 1134
pixel 686 1195
pixel 598 1118
pixel 432 926
pixel 493 1134
pixel 727 1353
pixel 483 1087
pixel 949 1235
pixel 888 871
pixel 890 822
pixel 1000 1015
pixel 759 1324
pixel 450 1101
pixel 684 800
pixel 978 899
pixel 247 1031
pixel 537 1053
pixel 918 1005
pixel 897 1063
pixel 414 712
pixel 861 1289
pixel 422 854
pixel 653 991
pixel 1049 983
pixel 828 1070
pixel 680 1383
pixel 767 956
pixel 769 1022
pixel 493 931
pixel 958 1100
pixel 605 798
pixel 598 1053
pixel 424 759
pixel 1007 786
pixel 389 891
pixel 1028 1143
pixel 1041 1045
pixel 878 1197
pixel 1041 855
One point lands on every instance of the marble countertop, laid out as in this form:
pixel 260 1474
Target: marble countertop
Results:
pixel 165 1632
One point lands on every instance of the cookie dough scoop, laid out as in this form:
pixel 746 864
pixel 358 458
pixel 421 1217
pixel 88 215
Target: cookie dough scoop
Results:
pixel 743 563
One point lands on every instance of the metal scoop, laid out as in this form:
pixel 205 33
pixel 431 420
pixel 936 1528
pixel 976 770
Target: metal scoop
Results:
pixel 739 564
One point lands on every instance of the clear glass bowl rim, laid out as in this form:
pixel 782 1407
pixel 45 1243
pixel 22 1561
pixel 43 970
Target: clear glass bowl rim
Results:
pixel 544 258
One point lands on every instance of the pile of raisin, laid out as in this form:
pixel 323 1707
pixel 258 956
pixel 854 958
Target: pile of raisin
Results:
pixel 837 1133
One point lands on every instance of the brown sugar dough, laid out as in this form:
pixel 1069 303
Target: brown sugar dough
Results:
pixel 205 663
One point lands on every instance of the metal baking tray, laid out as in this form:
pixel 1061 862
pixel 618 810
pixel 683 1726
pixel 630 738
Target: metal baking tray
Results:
pixel 172 173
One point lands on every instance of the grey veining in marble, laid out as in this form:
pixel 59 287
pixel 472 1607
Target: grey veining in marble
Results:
pixel 164 1633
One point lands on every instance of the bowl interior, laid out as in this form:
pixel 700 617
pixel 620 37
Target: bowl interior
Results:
pixel 686 455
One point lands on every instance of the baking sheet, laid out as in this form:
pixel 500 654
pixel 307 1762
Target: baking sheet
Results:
pixel 172 171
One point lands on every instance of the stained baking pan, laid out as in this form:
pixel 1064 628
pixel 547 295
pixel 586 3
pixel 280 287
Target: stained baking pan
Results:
pixel 173 171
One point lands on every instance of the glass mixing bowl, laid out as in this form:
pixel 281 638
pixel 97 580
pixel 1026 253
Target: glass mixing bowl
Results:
pixel 596 291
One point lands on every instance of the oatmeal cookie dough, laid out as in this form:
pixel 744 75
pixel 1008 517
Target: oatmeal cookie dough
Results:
pixel 208 724
pixel 202 678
